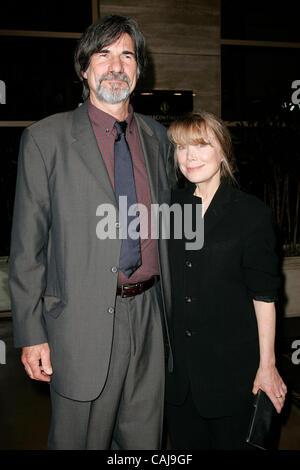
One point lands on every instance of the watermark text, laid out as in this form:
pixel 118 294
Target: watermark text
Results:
pixel 296 354
pixel 2 92
pixel 163 222
pixel 2 352
pixel 296 94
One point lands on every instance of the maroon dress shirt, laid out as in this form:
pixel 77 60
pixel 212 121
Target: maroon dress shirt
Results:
pixel 103 126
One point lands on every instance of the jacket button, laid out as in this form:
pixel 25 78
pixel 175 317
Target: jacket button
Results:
pixel 110 310
pixel 188 333
pixel 188 264
pixel 114 269
pixel 188 299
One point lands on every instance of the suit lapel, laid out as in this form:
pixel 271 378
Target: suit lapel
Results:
pixel 150 149
pixel 86 145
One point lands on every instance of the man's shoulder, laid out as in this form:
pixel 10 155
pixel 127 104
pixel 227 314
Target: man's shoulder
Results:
pixel 54 124
pixel 52 131
pixel 55 121
pixel 154 126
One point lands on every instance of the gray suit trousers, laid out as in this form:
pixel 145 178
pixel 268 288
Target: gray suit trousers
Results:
pixel 128 414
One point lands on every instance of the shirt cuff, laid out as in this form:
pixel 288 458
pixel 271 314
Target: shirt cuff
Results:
pixel 265 298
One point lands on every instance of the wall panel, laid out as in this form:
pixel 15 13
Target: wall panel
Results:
pixel 183 39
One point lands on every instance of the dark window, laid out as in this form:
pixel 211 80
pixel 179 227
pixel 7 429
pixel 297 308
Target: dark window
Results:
pixel 257 81
pixel 263 20
pixel 39 77
pixel 54 15
pixel 10 140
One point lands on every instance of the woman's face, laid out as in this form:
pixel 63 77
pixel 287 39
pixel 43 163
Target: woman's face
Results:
pixel 200 163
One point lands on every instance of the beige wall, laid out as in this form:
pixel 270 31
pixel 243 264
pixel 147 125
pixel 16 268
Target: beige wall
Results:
pixel 183 39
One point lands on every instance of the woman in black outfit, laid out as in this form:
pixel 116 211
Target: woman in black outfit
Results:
pixel 223 298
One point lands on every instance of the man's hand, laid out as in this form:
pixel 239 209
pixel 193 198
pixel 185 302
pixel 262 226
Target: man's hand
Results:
pixel 36 360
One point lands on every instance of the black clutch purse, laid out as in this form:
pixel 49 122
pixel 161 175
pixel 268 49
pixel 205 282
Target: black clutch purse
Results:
pixel 262 429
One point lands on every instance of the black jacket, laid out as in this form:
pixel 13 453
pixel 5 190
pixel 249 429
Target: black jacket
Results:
pixel 214 328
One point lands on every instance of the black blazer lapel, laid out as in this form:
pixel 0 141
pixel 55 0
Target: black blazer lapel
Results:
pixel 218 207
pixel 86 145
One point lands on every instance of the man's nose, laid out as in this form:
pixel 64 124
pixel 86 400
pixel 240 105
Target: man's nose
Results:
pixel 116 64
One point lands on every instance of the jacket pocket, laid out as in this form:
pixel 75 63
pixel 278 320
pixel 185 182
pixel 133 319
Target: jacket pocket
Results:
pixel 53 305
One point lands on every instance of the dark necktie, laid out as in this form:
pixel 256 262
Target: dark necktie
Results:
pixel 130 256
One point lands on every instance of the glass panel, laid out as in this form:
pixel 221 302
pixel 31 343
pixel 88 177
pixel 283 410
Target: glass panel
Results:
pixel 260 20
pixel 257 81
pixel 39 77
pixel 269 166
pixel 55 15
pixel 9 148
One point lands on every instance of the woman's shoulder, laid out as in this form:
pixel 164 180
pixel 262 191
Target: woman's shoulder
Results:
pixel 244 197
pixel 243 204
pixel 249 204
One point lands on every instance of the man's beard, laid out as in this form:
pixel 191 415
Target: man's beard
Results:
pixel 113 93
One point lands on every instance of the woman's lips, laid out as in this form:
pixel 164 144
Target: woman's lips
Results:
pixel 193 168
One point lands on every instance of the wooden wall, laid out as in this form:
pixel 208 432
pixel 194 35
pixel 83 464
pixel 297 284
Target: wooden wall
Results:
pixel 183 40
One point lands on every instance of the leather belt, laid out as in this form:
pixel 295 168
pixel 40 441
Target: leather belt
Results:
pixel 128 290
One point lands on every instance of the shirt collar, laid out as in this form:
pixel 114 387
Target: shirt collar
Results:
pixel 104 121
pixel 129 118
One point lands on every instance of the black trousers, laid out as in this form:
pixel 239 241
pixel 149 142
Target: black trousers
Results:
pixel 190 431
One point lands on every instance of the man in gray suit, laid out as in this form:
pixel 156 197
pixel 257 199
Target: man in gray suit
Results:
pixel 93 329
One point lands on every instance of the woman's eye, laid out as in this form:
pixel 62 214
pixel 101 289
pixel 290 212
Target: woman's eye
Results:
pixel 180 147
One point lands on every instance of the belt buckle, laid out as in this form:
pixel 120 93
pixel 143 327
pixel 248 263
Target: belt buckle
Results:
pixel 129 286
pixel 122 291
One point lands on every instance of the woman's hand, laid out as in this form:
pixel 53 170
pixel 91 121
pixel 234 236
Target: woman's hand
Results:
pixel 267 377
pixel 269 380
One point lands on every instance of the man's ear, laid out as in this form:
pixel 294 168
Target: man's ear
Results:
pixel 84 74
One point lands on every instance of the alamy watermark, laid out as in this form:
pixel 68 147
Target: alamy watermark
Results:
pixel 296 354
pixel 296 94
pixel 2 92
pixel 2 352
pixel 134 221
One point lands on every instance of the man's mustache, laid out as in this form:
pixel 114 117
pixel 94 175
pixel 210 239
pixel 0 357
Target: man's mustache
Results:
pixel 115 76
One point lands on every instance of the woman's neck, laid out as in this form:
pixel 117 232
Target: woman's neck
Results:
pixel 206 190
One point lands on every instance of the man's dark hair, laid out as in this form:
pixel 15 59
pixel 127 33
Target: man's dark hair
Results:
pixel 102 33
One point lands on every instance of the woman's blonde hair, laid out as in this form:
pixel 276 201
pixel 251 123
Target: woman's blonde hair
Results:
pixel 194 129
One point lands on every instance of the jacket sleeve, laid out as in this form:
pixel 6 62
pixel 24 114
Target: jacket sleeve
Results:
pixel 260 261
pixel 29 240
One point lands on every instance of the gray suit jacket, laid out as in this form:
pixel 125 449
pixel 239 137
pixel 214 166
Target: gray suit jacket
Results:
pixel 62 281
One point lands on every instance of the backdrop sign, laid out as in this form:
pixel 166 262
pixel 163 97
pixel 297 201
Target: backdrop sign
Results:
pixel 163 105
